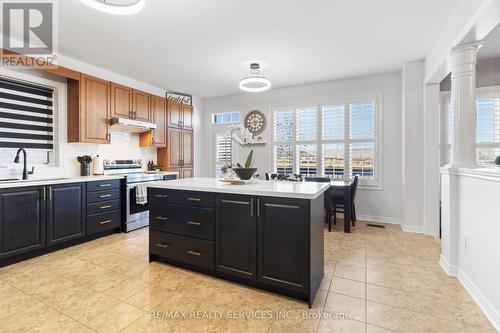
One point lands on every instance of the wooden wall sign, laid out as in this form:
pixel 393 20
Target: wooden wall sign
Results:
pixel 179 98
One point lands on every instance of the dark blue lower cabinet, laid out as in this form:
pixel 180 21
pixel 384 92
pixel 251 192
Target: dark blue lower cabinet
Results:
pixel 22 220
pixel 65 212
pixel 267 242
pixel 236 235
pixel 283 244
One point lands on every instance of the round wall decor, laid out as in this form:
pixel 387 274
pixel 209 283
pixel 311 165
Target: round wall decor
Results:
pixel 255 122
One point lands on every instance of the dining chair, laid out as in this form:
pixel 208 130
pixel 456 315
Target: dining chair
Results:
pixel 337 205
pixel 328 200
pixel 271 175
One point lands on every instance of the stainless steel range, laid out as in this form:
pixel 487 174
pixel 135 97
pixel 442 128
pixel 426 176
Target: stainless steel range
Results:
pixel 136 215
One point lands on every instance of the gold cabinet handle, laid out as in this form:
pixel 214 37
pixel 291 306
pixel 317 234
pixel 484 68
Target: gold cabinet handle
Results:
pixel 194 222
pixel 163 218
pixel 50 193
pixel 104 207
pixel 194 253
pixel 194 199
pixel 258 207
pixel 105 222
pixel 44 195
pixel 162 195
pixel 105 196
pixel 251 207
pixel 162 245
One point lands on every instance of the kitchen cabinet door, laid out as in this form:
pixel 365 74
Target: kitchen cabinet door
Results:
pixel 187 149
pixel 94 110
pixel 174 114
pixel 159 112
pixel 65 212
pixel 121 101
pixel 174 148
pixel 187 173
pixel 142 106
pixel 282 242
pixel 187 117
pixel 236 234
pixel 22 220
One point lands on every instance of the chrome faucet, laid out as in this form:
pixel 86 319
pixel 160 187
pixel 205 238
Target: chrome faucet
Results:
pixel 25 170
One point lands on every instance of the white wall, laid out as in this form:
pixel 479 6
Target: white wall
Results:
pixel 123 145
pixel 412 89
pixel 384 205
pixel 470 247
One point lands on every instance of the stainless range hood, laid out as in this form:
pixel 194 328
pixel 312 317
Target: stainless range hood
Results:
pixel 130 125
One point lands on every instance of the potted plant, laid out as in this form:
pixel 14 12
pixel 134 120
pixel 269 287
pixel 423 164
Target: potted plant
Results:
pixel 497 162
pixel 246 173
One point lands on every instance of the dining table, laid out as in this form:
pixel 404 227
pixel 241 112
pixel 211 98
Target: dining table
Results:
pixel 341 186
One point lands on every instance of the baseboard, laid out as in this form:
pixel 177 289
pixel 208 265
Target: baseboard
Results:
pixel 490 312
pixel 449 269
pixel 412 229
pixel 379 219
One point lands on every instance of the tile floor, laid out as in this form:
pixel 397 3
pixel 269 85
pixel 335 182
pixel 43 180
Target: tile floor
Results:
pixel 376 280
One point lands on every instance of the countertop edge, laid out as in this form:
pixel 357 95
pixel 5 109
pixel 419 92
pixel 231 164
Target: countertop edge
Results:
pixel 69 180
pixel 239 189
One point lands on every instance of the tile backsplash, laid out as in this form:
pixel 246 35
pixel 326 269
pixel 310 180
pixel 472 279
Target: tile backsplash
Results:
pixel 123 145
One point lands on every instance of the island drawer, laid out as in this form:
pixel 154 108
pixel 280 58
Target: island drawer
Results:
pixel 183 220
pixel 191 251
pixel 103 185
pixel 103 222
pixel 188 198
pixel 93 197
pixel 103 207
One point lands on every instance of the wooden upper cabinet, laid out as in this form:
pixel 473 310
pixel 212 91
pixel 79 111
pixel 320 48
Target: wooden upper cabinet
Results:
pixel 159 112
pixel 174 114
pixel 142 105
pixel 157 137
pixel 89 110
pixel 175 148
pixel 187 117
pixel 121 101
pixel 187 149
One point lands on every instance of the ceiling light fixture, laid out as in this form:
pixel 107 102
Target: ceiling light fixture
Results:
pixel 116 7
pixel 255 82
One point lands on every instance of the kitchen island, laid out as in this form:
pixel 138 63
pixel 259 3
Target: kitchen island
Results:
pixel 266 234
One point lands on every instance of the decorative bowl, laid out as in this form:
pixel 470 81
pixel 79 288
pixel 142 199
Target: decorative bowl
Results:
pixel 245 173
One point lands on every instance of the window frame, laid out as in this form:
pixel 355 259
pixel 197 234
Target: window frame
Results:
pixel 56 159
pixel 445 99
pixel 376 183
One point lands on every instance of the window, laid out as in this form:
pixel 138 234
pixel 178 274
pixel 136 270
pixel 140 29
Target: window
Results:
pixel 223 153
pixel 225 118
pixel 26 121
pixel 487 126
pixel 332 139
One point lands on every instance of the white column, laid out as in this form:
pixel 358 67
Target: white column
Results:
pixel 463 60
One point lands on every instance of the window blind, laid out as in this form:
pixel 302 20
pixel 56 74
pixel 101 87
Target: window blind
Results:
pixel 487 129
pixel 307 123
pixel 223 152
pixel 26 115
pixel 362 120
pixel 333 122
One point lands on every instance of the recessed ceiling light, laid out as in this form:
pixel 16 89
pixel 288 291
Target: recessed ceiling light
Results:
pixel 116 7
pixel 255 82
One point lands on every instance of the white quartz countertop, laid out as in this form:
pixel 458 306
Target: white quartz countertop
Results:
pixel 55 181
pixel 283 189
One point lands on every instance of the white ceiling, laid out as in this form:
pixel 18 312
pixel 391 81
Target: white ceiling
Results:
pixel 203 47
pixel 491 46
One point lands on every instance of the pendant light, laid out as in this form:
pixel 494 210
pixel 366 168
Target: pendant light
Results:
pixel 116 7
pixel 255 82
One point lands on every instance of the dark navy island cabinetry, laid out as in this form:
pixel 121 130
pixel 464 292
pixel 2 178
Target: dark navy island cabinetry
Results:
pixel 272 243
pixel 39 219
